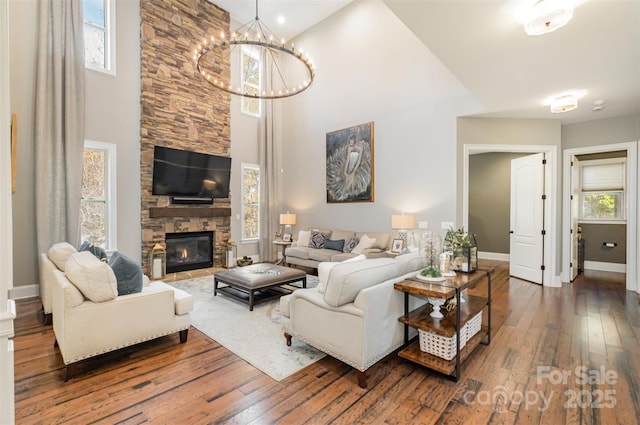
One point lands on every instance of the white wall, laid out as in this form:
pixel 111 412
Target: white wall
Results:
pixel 370 67
pixel 112 115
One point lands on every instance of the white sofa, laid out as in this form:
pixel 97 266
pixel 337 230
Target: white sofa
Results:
pixel 84 328
pixel 355 317
pixel 301 253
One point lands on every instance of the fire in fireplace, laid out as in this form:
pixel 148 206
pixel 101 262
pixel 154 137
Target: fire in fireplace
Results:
pixel 189 251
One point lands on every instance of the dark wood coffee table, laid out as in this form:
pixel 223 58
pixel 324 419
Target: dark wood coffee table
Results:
pixel 257 283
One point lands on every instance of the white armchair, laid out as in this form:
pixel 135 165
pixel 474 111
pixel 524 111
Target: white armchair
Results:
pixel 84 328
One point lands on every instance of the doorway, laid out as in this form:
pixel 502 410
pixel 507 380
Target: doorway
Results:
pixel 631 193
pixel 550 245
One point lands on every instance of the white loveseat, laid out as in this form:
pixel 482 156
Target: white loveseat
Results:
pixel 354 318
pixel 84 328
pixel 304 252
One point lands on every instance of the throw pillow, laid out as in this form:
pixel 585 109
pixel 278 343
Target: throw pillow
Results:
pixel 332 244
pixel 317 239
pixel 304 236
pixel 365 242
pixel 59 253
pixel 128 273
pixel 99 252
pixel 324 268
pixel 350 243
pixel 323 274
pixel 92 277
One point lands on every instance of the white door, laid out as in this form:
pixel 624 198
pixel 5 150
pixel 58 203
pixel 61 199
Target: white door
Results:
pixel 575 203
pixel 527 217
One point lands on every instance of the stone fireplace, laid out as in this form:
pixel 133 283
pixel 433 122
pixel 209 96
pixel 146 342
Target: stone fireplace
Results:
pixel 189 251
pixel 182 111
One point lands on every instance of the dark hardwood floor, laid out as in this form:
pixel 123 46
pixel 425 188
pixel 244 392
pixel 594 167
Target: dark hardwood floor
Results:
pixel 558 355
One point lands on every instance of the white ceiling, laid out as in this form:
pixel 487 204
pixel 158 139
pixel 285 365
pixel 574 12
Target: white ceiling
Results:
pixel 597 55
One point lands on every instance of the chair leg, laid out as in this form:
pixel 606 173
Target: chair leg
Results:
pixel 70 371
pixel 362 378
pixel 55 343
pixel 47 319
pixel 288 338
pixel 183 335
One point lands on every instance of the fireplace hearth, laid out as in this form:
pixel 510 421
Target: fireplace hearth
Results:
pixel 189 251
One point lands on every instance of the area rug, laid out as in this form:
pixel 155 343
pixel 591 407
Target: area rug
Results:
pixel 255 336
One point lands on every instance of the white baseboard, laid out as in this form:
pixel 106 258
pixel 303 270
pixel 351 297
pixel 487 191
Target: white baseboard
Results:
pixel 25 291
pixel 605 267
pixel 493 256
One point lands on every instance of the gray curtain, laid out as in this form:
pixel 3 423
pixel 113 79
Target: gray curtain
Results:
pixel 268 161
pixel 59 121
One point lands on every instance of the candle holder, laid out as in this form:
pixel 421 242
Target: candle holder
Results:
pixel 157 262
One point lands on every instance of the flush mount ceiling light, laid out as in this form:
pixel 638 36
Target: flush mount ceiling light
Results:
pixel 564 104
pixel 283 71
pixel 547 16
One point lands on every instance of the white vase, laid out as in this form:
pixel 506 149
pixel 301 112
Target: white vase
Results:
pixel 436 303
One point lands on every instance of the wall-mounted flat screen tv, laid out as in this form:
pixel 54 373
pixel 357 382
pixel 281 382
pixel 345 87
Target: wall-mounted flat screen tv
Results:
pixel 181 173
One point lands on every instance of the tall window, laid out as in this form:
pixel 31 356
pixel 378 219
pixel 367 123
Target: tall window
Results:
pixel 250 78
pixel 603 189
pixel 97 205
pixel 250 202
pixel 99 35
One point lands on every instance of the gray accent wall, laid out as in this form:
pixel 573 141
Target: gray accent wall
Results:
pixel 596 235
pixel 490 200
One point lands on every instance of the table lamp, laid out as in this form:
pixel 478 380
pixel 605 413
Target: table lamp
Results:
pixel 287 220
pixel 402 223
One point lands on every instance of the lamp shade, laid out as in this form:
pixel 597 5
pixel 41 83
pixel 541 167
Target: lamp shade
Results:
pixel 288 219
pixel 401 221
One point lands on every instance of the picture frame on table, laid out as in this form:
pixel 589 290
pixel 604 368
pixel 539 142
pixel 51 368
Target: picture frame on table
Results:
pixel 397 245
pixel 286 237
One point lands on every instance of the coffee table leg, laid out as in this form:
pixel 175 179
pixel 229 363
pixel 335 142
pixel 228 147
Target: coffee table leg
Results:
pixel 304 282
pixel 251 300
pixel 215 287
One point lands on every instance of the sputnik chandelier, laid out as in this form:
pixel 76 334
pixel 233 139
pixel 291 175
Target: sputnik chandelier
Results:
pixel 280 71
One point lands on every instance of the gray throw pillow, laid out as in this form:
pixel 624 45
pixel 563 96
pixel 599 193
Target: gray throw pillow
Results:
pixel 128 273
pixel 336 245
pixel 317 239
pixel 350 243
pixel 99 252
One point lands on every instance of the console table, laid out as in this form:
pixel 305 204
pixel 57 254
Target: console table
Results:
pixel 452 322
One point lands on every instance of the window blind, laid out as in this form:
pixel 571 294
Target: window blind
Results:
pixel 601 177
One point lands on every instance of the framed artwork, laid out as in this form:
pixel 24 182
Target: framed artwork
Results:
pixel 350 164
pixel 397 245
pixel 286 237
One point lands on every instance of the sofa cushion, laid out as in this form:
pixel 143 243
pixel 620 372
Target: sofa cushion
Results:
pixel 301 252
pixel 334 244
pixel 411 261
pixel 321 254
pixel 59 253
pixel 304 237
pixel 128 273
pixel 342 234
pixel 325 267
pixel 317 238
pixel 347 279
pixel 382 239
pixel 365 242
pixel 99 252
pixel 94 278
pixel 343 256
pixel 350 243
